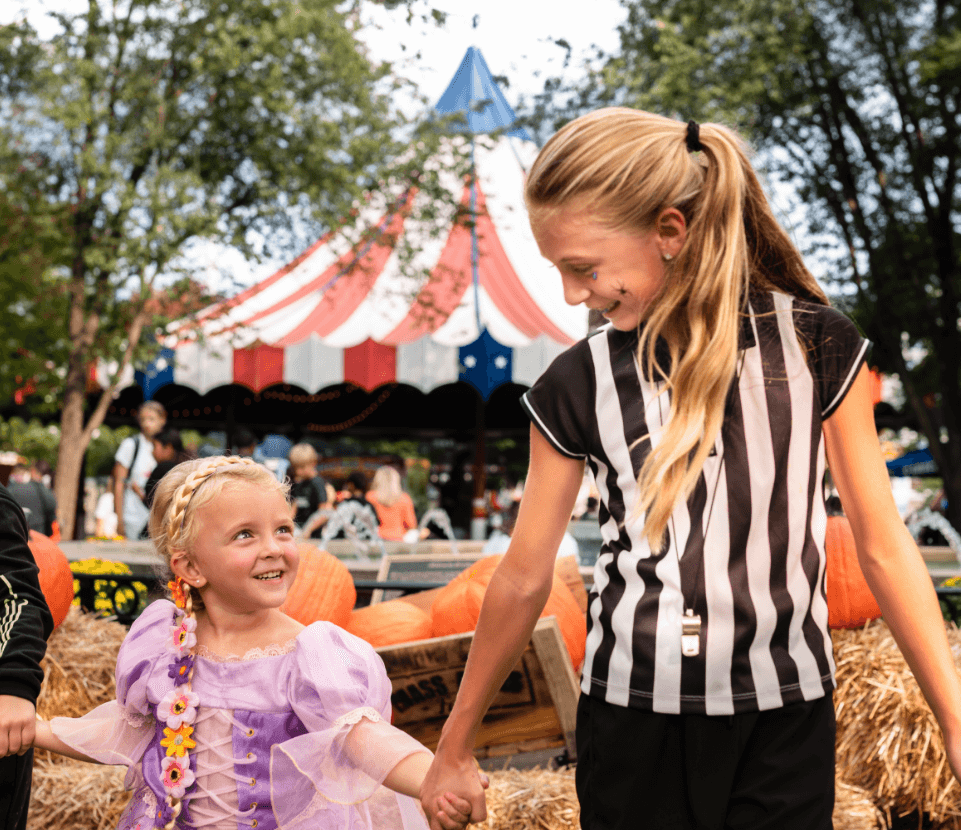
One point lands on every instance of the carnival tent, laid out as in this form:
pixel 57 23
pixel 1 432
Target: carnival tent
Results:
pixel 486 308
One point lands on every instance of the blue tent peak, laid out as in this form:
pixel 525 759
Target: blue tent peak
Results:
pixel 474 94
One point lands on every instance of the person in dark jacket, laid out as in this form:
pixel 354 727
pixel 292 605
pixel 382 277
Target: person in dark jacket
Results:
pixel 37 501
pixel 26 625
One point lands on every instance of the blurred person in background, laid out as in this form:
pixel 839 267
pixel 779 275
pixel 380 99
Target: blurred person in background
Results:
pixel 395 508
pixel 35 498
pixel 133 464
pixel 353 515
pixel 308 490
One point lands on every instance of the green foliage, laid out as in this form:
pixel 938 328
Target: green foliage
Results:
pixel 31 439
pixel 38 441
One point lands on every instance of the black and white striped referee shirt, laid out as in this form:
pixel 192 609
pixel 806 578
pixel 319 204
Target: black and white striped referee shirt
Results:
pixel 757 514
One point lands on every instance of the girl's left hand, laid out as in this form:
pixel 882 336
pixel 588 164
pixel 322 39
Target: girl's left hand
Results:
pixel 454 812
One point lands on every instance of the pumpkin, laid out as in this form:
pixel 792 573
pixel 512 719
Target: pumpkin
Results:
pixel 389 623
pixel 323 588
pixel 56 578
pixel 850 601
pixel 457 607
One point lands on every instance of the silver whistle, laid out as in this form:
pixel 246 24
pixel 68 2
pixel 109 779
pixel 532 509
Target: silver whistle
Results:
pixel 690 634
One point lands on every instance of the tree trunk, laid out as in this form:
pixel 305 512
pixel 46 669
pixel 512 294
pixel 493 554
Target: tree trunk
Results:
pixel 73 443
pixel 75 435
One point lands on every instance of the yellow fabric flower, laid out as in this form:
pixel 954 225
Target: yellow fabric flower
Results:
pixel 178 741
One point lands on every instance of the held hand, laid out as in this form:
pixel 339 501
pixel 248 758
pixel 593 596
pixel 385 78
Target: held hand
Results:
pixel 454 812
pixel 18 723
pixel 453 793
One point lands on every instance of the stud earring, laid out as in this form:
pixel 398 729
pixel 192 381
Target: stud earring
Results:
pixel 594 276
pixel 666 257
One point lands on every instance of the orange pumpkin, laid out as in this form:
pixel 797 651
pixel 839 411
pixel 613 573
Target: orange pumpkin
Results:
pixel 322 590
pixel 850 601
pixel 56 578
pixel 389 623
pixel 457 607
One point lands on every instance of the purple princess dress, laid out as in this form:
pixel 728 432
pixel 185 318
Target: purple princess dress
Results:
pixel 296 736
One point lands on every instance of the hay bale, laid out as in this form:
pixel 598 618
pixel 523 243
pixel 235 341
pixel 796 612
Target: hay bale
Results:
pixel 539 799
pixel 854 809
pixel 888 741
pixel 76 795
pixel 79 666
pixel 532 799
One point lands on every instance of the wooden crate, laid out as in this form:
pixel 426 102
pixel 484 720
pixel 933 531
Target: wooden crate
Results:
pixel 535 708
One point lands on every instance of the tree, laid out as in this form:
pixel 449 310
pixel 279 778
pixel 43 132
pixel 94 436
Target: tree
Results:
pixel 854 104
pixel 145 126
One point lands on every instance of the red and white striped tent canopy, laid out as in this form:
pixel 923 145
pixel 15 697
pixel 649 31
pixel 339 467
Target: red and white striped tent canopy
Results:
pixel 474 302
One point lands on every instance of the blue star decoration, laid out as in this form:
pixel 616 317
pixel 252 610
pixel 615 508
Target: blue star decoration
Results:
pixel 485 364
pixel 157 374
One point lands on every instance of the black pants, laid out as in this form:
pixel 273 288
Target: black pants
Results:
pixel 771 770
pixel 16 773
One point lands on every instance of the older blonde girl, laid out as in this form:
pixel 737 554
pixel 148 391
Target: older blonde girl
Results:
pixel 707 410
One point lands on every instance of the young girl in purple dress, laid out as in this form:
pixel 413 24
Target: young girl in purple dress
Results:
pixel 230 714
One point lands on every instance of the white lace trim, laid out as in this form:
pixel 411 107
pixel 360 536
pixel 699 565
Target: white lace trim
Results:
pixel 273 650
pixel 357 715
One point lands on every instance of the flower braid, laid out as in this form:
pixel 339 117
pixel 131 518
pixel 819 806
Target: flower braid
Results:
pixel 178 709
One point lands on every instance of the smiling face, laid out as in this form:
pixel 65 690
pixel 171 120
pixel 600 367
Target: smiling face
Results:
pixel 629 266
pixel 244 558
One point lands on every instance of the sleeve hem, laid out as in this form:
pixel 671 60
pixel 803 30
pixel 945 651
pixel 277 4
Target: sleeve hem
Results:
pixel 848 381
pixel 543 430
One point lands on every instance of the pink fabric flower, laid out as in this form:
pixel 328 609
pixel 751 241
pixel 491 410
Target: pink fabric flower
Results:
pixel 176 775
pixel 182 637
pixel 177 707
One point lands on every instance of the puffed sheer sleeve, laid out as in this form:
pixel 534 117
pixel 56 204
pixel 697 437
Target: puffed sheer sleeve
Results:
pixel 341 692
pixel 118 732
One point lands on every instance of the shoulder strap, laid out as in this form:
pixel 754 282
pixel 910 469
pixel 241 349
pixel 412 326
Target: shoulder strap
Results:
pixel 136 452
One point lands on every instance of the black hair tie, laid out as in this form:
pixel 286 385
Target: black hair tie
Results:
pixel 693 137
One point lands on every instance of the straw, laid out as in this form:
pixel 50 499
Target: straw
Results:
pixel 75 795
pixel 79 666
pixel 888 741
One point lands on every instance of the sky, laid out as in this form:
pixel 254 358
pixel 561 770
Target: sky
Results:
pixel 516 38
